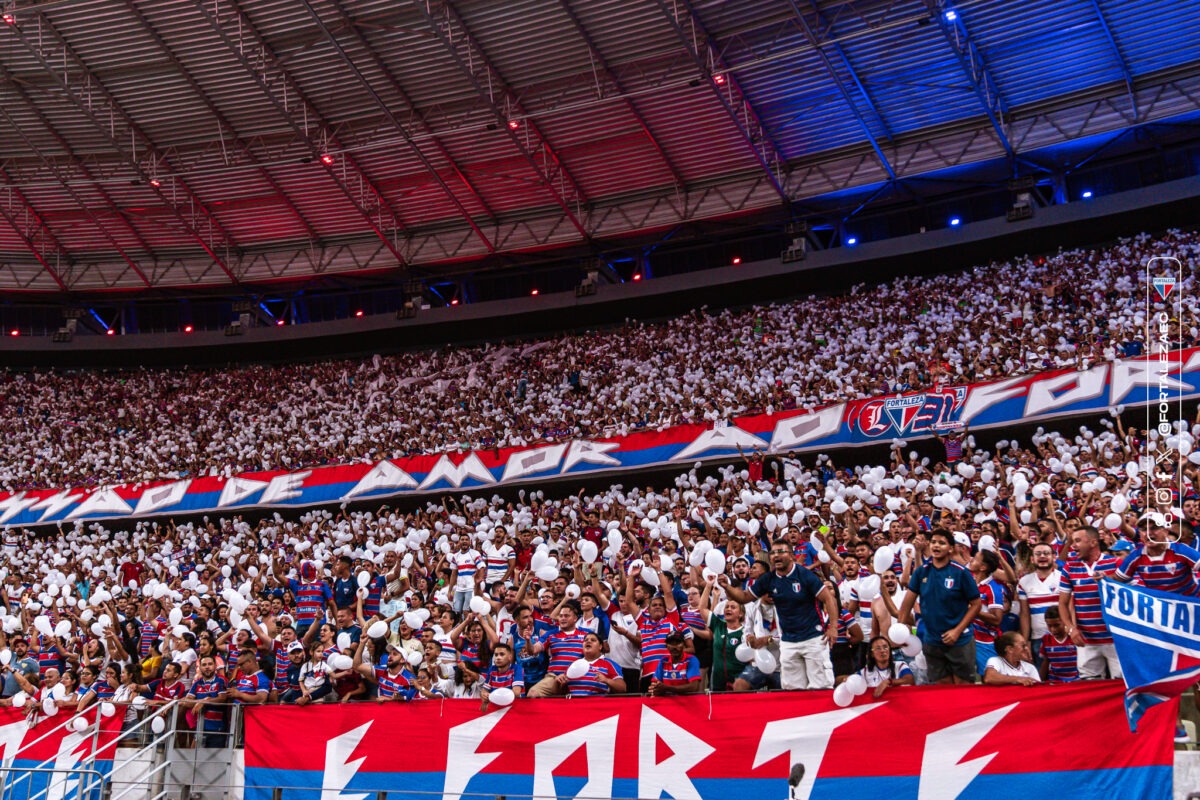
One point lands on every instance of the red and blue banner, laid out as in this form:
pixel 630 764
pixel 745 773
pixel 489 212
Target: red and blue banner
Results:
pixel 1157 636
pixel 53 761
pixel 1041 396
pixel 932 743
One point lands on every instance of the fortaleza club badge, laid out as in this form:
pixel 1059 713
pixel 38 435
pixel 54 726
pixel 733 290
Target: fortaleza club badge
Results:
pixel 1163 286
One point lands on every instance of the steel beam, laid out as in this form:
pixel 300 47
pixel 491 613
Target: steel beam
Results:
pixel 396 123
pixel 260 62
pixel 818 46
pixel 970 60
pixel 90 96
pixel 622 90
pixel 33 231
pixel 1122 64
pixel 709 61
pixel 448 27
pixel 222 121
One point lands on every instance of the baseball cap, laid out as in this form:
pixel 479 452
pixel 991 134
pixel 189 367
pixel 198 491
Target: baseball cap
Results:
pixel 962 538
pixel 1121 546
pixel 295 647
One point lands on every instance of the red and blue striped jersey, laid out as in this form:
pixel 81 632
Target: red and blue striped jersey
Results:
pixel 375 591
pixel 954 448
pixel 845 620
pixel 311 599
pixel 252 684
pixel 208 690
pixel 401 685
pixel 103 690
pixel 152 631
pixel 564 649
pixel 671 673
pixel 1061 657
pixel 1039 595
pixel 282 663
pixel 47 656
pixel 504 679
pixel 1174 571
pixel 590 684
pixel 692 619
pixel 992 596
pixel 168 691
pixel 1079 580
pixel 469 655
pixel 654 638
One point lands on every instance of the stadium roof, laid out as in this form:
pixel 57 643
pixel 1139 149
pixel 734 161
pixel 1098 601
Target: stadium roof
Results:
pixel 185 143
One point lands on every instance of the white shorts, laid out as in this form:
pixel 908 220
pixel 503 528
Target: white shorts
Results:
pixel 1094 658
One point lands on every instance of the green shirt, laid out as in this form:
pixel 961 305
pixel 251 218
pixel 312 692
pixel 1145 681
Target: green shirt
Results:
pixel 725 665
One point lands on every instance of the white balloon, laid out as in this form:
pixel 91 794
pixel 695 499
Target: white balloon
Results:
pixel 501 697
pixel 857 685
pixel 987 542
pixel 899 633
pixel 589 552
pixel 912 647
pixel 1119 504
pixel 650 577
pixel 578 668
pixel 5 657
pixel 48 707
pixel 547 573
pixel 1113 522
pixel 139 701
pixel 79 724
pixel 364 579
pixel 765 661
pixel 20 699
pixel 868 588
pixel 744 653
pixel 343 641
pixel 63 628
pixel 58 692
pixel 823 557
pixel 715 560
pixel 480 605
pixel 107 709
pixel 176 616
pixel 884 558
pixel 966 470
pixel 842 696
pixel 377 629
pixel 158 724
pixel 573 591
pixel 414 658
pixel 42 623
pixel 341 662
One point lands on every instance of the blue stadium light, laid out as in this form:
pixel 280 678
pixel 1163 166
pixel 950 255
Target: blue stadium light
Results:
pixel 1087 195
pixel 955 221
pixel 852 241
pixel 951 15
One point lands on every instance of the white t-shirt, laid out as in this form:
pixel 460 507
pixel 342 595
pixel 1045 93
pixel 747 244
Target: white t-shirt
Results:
pixel 622 652
pixel 1022 670
pixel 466 565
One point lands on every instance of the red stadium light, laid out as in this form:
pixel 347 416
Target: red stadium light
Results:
pixel 280 322
pixel 358 313
pixel 110 332
pixel 534 293
pixel 14 332
pixel 637 276
pixel 514 124
pixel 9 19
pixel 327 159
pixel 155 182
pixel 187 328
pixel 454 301
pixel 719 79
pixel 737 260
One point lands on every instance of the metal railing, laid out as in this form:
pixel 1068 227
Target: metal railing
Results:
pixel 86 783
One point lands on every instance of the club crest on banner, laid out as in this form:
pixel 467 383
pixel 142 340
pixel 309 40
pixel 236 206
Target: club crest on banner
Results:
pixel 1163 285
pixel 911 413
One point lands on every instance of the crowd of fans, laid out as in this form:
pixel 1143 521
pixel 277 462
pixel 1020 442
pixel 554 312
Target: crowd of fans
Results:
pixel 66 429
pixel 981 566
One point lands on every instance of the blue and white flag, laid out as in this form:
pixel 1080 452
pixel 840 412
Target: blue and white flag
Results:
pixel 1157 636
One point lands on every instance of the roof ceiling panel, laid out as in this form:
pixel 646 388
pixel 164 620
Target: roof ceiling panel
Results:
pixel 615 91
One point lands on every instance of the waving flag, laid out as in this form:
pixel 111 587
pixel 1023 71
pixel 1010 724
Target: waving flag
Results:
pixel 1157 636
